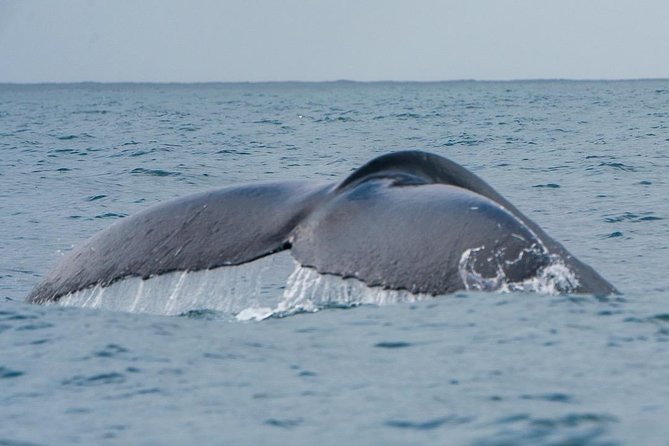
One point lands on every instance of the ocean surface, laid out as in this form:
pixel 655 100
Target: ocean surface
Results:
pixel 588 161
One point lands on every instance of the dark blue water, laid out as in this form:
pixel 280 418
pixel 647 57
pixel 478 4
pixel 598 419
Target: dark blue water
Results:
pixel 588 161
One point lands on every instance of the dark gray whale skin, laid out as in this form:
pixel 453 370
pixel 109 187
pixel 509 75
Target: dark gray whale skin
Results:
pixel 402 221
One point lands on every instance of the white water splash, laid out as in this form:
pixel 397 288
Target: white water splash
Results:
pixel 555 278
pixel 309 291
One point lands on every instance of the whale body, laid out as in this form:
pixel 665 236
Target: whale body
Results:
pixel 407 220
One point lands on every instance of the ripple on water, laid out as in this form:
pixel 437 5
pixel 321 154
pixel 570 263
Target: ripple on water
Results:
pixel 111 351
pixel 619 166
pixel 14 316
pixel 428 424
pixel 285 423
pixel 574 429
pixel 154 172
pixel 111 215
pixel 632 217
pixel 551 397
pixel 34 326
pixel 95 380
pixel 6 372
pixel 96 197
pixel 392 345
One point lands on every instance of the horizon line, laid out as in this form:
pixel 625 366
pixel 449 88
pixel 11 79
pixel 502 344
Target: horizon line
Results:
pixel 339 81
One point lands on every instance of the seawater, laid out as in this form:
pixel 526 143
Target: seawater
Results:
pixel 588 161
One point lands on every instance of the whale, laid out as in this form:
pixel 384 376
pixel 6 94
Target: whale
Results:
pixel 408 220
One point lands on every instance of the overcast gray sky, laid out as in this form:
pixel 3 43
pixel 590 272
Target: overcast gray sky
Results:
pixel 264 40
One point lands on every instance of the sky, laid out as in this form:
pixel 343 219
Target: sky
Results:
pixel 319 40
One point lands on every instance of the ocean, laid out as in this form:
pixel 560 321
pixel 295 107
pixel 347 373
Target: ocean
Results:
pixel 586 160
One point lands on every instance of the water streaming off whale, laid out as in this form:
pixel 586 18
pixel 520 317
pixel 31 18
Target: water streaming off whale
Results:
pixel 277 286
